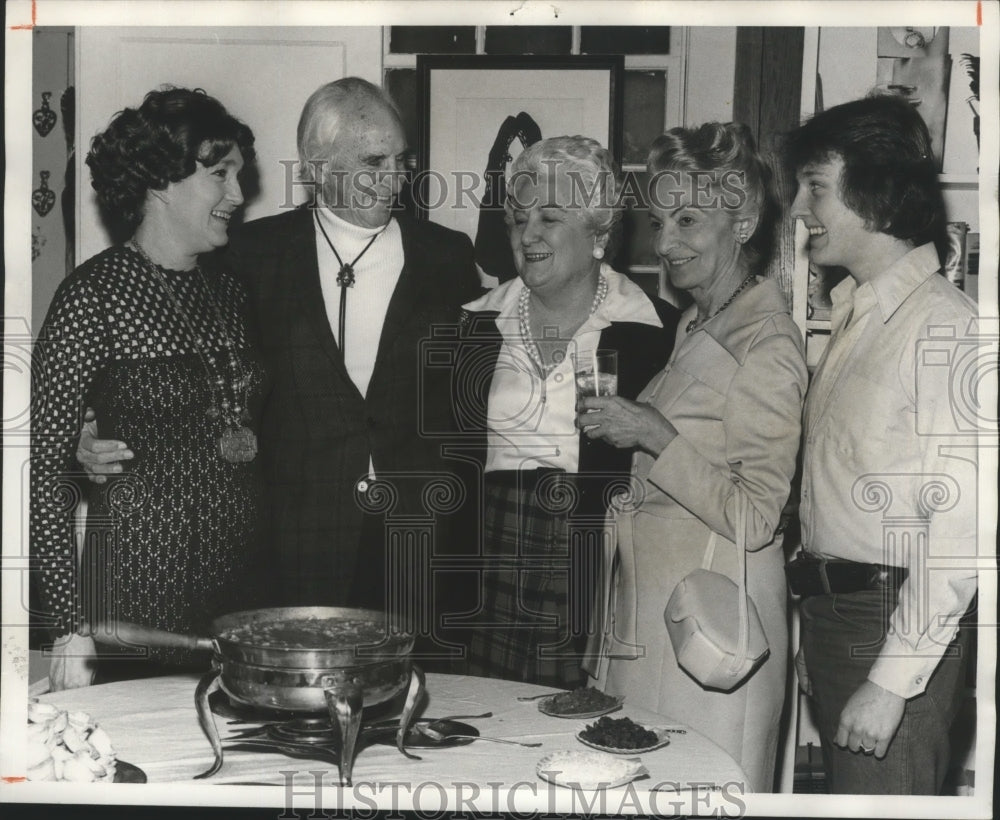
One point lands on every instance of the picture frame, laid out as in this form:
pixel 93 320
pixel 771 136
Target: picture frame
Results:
pixel 467 106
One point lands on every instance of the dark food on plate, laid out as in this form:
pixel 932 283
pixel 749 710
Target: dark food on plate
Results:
pixel 619 733
pixel 580 701
pixel 305 633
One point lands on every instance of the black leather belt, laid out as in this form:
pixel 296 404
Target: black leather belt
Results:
pixel 810 574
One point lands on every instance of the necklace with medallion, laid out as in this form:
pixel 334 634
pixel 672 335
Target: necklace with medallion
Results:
pixel 696 322
pixel 237 443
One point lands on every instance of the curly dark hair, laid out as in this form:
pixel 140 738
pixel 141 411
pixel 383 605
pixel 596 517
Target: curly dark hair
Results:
pixel 148 147
pixel 728 156
pixel 890 176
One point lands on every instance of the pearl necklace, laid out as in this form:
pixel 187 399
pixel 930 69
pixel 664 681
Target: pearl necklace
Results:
pixel 696 322
pixel 524 321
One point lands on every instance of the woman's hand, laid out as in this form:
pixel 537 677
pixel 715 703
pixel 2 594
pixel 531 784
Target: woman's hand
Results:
pixel 73 662
pixel 99 457
pixel 625 423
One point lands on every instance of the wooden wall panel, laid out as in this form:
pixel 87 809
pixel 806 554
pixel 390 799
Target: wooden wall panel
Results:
pixel 768 88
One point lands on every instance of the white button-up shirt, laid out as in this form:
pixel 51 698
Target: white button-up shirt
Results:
pixel 530 419
pixel 889 470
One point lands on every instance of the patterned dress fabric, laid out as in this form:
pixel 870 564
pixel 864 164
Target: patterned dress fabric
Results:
pixel 542 549
pixel 172 541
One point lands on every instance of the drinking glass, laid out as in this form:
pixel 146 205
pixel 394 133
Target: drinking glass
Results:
pixel 596 374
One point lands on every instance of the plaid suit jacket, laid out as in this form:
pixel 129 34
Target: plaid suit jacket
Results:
pixel 317 430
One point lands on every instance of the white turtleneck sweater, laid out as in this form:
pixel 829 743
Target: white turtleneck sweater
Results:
pixel 376 275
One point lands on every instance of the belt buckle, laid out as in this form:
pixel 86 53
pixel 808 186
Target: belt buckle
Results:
pixel 883 577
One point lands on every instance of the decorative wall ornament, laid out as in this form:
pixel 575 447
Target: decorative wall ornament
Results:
pixel 971 65
pixel 906 41
pixel 923 81
pixel 37 243
pixel 44 118
pixel 918 68
pixel 43 197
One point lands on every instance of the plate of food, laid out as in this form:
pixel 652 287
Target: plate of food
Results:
pixel 589 770
pixel 623 736
pixel 584 702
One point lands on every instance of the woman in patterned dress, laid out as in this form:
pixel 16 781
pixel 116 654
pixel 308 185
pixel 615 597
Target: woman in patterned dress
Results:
pixel 154 336
pixel 545 485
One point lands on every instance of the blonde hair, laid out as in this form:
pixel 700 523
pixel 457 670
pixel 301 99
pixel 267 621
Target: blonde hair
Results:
pixel 588 164
pixel 728 151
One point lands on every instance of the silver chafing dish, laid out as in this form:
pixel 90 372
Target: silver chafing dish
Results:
pixel 332 660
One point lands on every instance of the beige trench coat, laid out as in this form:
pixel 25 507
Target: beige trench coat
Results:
pixel 734 390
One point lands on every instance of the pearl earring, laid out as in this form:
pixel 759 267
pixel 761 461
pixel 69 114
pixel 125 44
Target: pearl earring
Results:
pixel 598 252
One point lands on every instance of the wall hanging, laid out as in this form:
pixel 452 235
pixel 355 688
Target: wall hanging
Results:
pixel 44 118
pixel 43 197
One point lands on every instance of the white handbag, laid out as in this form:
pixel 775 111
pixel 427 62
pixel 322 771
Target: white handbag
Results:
pixel 701 614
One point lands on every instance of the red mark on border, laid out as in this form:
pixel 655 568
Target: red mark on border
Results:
pixel 15 779
pixel 28 26
pixel 979 13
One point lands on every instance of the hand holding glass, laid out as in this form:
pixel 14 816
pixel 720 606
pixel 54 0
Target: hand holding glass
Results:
pixel 596 374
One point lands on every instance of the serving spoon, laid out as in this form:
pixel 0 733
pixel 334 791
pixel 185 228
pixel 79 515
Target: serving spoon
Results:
pixel 526 698
pixel 440 737
pixel 394 721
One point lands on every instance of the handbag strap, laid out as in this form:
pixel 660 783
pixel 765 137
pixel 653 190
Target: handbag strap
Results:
pixel 706 562
pixel 743 644
pixel 743 641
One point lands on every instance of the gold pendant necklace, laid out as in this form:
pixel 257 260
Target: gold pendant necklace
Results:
pixel 237 444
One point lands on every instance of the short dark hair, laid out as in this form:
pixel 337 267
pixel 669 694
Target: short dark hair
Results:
pixel 890 176
pixel 726 148
pixel 148 147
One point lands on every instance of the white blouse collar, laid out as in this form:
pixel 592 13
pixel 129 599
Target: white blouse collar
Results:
pixel 625 302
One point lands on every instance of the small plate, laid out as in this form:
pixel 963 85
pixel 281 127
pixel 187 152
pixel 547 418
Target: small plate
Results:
pixel 418 740
pixel 662 739
pixel 589 770
pixel 546 708
pixel 127 773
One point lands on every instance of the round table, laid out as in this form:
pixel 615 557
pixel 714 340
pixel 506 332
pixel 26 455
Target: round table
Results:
pixel 153 725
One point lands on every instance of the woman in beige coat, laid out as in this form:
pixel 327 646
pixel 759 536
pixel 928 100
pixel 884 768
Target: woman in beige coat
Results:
pixel 721 420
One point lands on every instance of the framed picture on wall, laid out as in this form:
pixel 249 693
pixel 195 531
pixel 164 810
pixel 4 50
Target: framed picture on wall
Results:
pixel 477 113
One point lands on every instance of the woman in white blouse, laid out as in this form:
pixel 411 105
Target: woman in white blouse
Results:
pixel 545 485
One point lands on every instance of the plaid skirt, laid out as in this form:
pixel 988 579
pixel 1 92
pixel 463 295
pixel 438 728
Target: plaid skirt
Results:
pixel 541 557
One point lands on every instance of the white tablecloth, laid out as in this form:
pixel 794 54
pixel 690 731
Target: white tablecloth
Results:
pixel 154 726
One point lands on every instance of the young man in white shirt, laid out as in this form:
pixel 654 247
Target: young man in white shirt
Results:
pixel 889 483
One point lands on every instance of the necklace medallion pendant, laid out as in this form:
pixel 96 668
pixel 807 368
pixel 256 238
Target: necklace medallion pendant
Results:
pixel 346 275
pixel 238 445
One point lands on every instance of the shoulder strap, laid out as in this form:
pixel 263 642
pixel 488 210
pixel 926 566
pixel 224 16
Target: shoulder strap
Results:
pixel 709 551
pixel 743 644
pixel 743 640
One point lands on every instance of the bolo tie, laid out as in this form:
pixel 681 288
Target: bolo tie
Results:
pixel 345 278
